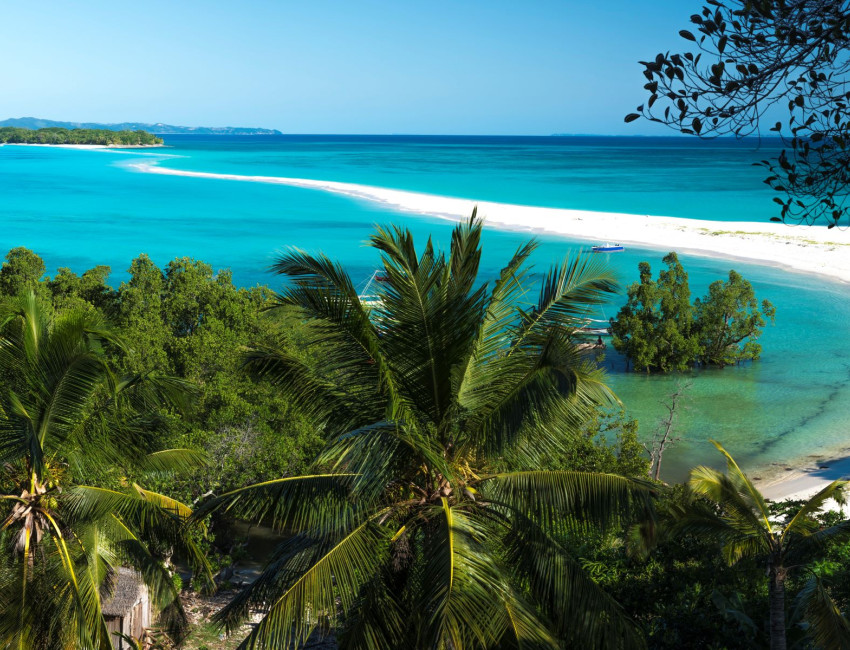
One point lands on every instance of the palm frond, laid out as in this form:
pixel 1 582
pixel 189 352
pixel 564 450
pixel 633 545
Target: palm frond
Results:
pixel 745 487
pixel 569 293
pixel 800 523
pixel 582 613
pixel 321 398
pixel 324 293
pixel 493 333
pixel 429 325
pixel 152 517
pixel 549 497
pixel 737 506
pixel 465 584
pixel 298 503
pixel 382 454
pixel 829 628
pixel 311 599
pixel 173 460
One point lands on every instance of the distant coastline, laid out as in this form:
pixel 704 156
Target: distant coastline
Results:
pixel 83 146
pixel 157 128
pixel 55 136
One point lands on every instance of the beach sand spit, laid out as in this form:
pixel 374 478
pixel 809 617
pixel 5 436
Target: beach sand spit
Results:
pixel 805 249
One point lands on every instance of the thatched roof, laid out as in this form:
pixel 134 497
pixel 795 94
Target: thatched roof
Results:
pixel 121 592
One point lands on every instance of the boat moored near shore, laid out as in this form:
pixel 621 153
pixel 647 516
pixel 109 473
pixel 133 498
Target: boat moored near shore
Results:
pixel 608 248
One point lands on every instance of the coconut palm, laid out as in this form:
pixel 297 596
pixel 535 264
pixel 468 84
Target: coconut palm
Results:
pixel 735 513
pixel 65 417
pixel 408 535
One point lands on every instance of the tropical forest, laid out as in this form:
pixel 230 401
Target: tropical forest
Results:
pixel 57 135
pixel 440 466
pixel 513 326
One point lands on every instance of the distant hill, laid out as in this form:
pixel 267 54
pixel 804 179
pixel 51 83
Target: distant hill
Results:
pixel 159 129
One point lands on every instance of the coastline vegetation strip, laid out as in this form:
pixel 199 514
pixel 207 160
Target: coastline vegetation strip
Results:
pixel 55 135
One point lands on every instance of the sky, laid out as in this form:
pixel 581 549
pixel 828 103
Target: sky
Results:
pixel 530 67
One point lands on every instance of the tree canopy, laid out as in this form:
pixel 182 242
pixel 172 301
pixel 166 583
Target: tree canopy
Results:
pixel 735 514
pixel 189 323
pixel 753 61
pixel 659 330
pixel 408 532
pixel 67 423
pixel 56 135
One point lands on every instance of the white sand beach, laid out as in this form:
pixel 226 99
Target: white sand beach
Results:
pixel 81 146
pixel 803 249
pixel 815 250
pixel 805 483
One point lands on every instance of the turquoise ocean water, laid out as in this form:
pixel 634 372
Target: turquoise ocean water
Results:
pixel 81 208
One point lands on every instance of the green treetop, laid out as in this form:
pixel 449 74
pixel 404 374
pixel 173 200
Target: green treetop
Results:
pixel 407 534
pixel 55 135
pixel 731 511
pixel 654 329
pixel 659 330
pixel 729 321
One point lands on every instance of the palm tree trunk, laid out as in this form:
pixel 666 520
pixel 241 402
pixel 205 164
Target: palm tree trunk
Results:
pixel 777 575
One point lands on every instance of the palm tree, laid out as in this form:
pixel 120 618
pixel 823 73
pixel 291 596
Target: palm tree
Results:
pixel 734 512
pixel 65 416
pixel 408 534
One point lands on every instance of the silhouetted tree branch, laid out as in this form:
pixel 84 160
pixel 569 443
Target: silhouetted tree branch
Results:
pixel 749 56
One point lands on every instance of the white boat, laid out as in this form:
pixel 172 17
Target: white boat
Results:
pixel 608 248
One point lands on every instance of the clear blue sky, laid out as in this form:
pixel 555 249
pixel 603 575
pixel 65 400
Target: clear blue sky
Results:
pixel 328 66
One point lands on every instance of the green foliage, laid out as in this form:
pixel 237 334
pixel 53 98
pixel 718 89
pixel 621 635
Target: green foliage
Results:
pixel 21 271
pixel 407 533
pixel 607 442
pixel 195 324
pixel 659 330
pixel 56 135
pixel 66 417
pixel 732 512
pixel 729 321
pixel 192 323
pixel 655 326
pixel 682 594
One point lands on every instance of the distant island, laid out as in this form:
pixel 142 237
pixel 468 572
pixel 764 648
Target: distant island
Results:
pixel 159 128
pixel 56 135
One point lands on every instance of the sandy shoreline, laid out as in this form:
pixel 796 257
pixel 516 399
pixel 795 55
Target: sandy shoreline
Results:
pixel 813 250
pixel 802 484
pixel 82 146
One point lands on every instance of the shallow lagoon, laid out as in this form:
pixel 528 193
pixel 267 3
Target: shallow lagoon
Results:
pixel 81 208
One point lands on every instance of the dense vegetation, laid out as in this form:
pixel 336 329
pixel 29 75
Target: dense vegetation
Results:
pixel 410 517
pixel 54 135
pixel 659 329
pixel 67 421
pixel 561 522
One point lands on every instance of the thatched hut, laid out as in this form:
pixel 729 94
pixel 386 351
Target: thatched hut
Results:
pixel 127 607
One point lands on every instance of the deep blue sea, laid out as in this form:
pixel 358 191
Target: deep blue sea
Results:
pixel 81 208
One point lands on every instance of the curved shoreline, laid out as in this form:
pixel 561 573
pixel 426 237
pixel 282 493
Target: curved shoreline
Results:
pixel 82 146
pixel 810 250
pixel 806 249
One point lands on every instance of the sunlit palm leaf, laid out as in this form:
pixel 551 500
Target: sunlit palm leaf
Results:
pixel 312 597
pixel 173 460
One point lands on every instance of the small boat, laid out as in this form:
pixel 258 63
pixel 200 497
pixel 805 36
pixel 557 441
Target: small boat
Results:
pixel 608 248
